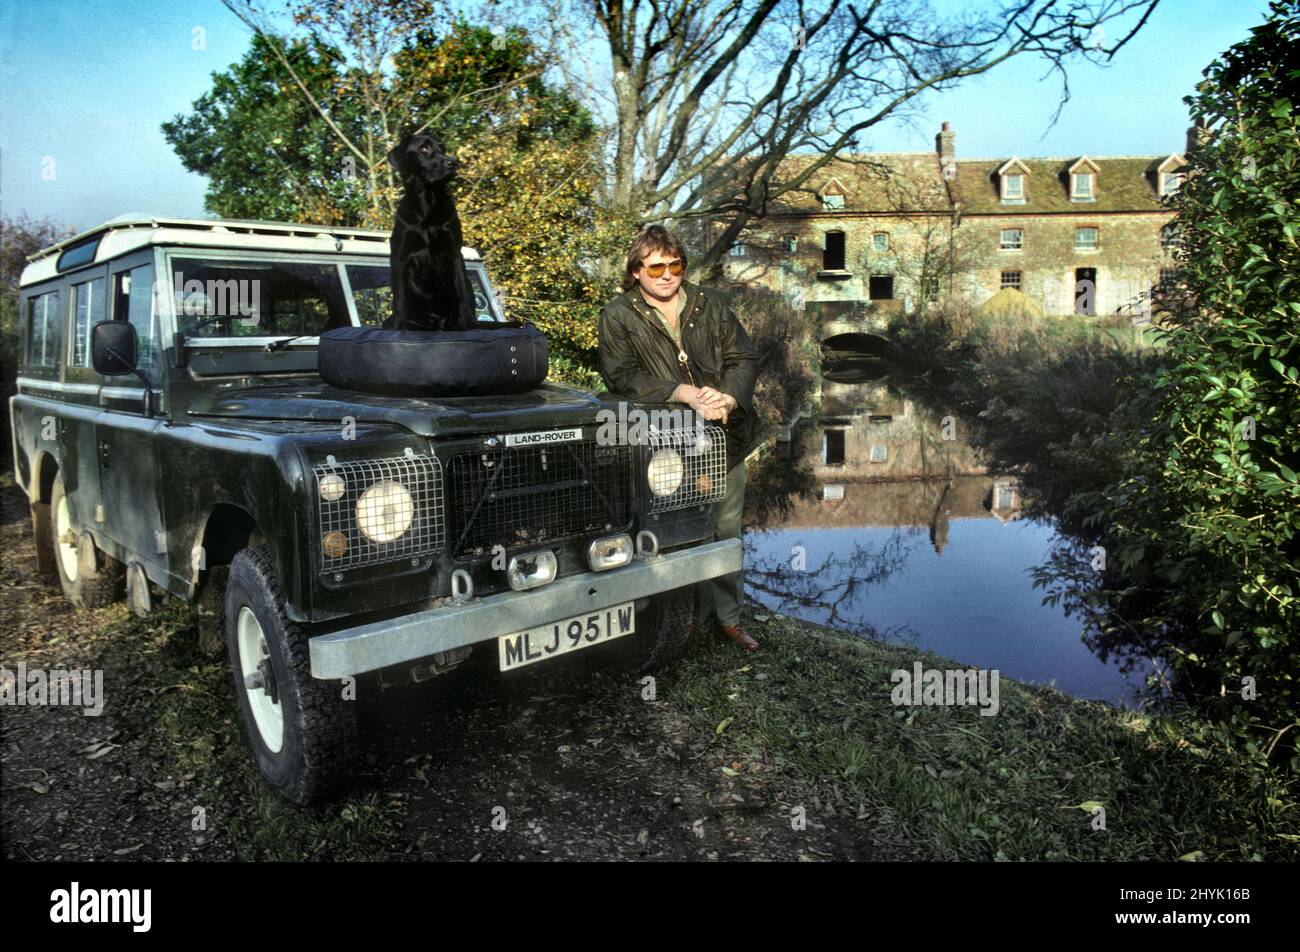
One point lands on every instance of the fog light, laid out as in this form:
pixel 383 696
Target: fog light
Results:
pixel 531 570
pixel 334 545
pixel 609 553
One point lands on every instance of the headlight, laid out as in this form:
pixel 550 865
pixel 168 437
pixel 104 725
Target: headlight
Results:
pixel 385 511
pixel 665 472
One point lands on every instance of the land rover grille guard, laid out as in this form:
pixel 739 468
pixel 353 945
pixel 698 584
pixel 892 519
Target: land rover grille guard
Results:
pixel 686 466
pixel 523 496
pixel 379 510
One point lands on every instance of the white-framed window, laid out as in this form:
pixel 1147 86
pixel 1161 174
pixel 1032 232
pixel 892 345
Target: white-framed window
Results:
pixel 1168 278
pixel 833 201
pixel 1169 237
pixel 1010 279
pixel 879 453
pixel 737 249
pixel 1013 239
pixel 1086 238
pixel 1170 182
pixel 880 241
pixel 44 330
pixel 1013 187
pixel 832 492
pixel 88 303
pixel 1081 187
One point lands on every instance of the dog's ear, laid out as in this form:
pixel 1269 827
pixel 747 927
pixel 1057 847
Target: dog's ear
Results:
pixel 397 155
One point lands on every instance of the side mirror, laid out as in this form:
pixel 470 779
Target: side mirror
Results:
pixel 113 348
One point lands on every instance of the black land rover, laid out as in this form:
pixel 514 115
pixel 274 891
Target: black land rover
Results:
pixel 175 438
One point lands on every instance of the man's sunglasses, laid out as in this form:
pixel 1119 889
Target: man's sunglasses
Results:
pixel 657 270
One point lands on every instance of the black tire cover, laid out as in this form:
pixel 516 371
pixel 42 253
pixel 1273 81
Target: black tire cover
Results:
pixel 502 358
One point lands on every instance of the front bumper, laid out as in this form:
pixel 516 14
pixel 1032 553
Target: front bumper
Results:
pixel 454 625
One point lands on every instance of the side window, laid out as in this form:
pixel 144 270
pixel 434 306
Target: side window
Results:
pixel 88 310
pixel 134 301
pixel 44 331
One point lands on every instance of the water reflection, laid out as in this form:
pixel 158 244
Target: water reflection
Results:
pixel 880 518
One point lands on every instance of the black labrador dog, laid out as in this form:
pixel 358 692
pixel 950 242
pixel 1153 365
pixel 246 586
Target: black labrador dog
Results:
pixel 431 288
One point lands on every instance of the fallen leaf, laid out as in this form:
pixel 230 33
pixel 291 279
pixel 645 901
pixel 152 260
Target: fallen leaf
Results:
pixel 723 726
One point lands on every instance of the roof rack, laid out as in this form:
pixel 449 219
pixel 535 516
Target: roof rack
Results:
pixel 243 226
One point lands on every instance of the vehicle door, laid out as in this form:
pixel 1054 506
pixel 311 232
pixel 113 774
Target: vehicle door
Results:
pixel 126 440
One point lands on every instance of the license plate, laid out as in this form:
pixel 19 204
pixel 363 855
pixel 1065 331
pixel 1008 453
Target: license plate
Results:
pixel 561 637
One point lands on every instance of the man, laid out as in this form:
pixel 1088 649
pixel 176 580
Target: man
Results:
pixel 665 340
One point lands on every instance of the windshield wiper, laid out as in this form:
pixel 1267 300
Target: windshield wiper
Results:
pixel 284 342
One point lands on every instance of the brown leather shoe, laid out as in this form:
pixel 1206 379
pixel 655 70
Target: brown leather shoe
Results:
pixel 739 636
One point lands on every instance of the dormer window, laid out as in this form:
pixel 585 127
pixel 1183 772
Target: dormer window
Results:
pixel 1170 174
pixel 1011 182
pixel 1083 180
pixel 833 195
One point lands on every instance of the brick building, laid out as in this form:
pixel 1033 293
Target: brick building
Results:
pixel 876 233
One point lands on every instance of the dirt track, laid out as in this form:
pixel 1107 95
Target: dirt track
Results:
pixel 582 765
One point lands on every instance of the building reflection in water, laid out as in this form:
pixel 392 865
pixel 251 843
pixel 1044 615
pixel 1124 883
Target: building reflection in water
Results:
pixel 879 458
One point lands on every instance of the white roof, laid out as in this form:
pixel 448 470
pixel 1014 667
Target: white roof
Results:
pixel 128 232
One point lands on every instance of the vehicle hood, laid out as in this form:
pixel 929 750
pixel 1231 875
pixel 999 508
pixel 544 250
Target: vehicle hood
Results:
pixel 545 407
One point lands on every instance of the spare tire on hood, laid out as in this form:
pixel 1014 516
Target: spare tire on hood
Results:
pixel 499 358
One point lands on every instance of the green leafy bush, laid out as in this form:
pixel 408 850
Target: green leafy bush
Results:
pixel 1203 527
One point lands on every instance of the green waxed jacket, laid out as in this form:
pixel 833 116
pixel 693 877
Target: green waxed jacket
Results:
pixel 638 357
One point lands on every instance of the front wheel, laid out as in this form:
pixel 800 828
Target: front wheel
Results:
pixel 303 730
pixel 662 631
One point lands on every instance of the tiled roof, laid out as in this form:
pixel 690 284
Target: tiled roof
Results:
pixel 911 182
pixel 1127 184
pixel 890 182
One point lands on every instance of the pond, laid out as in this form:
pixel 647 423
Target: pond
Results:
pixel 879 518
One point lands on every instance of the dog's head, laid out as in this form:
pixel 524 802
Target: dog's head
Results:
pixel 422 157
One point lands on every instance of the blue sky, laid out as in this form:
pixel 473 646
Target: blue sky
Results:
pixel 87 84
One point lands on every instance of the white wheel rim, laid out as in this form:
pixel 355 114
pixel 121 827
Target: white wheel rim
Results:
pixel 267 714
pixel 62 530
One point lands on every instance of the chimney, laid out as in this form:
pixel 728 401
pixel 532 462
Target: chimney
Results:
pixel 944 144
pixel 1197 135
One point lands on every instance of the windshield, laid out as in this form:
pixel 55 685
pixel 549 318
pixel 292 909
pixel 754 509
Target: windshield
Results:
pixel 252 297
pixel 232 298
pixel 372 292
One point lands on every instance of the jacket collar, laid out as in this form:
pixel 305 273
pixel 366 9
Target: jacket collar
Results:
pixel 638 302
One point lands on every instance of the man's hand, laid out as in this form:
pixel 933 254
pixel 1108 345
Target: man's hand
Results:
pixel 725 400
pixel 706 401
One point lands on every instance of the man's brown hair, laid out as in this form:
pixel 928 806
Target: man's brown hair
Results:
pixel 651 239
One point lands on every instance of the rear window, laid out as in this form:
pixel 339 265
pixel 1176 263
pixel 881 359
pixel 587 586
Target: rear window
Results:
pixel 44 330
pixel 252 298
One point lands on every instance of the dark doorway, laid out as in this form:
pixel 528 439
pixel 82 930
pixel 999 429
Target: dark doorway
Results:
pixel 833 255
pixel 1085 291
pixel 834 447
pixel 881 287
